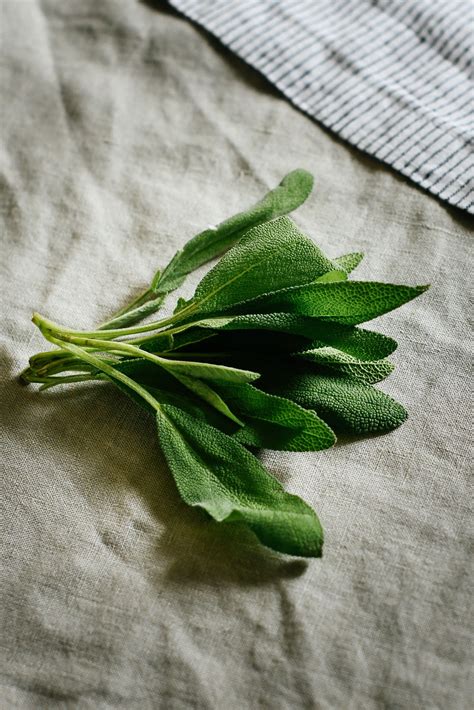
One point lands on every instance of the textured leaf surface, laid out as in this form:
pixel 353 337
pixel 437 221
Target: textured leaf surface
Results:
pixel 272 256
pixel 347 302
pixel 268 421
pixel 348 262
pixel 358 342
pixel 276 423
pixel 346 405
pixel 168 390
pixel 135 315
pixel 193 376
pixel 286 197
pixel 362 370
pixel 216 473
pixel 331 276
pixel 208 371
pixel 209 395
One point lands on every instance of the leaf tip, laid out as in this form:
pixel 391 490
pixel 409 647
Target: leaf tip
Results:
pixel 300 179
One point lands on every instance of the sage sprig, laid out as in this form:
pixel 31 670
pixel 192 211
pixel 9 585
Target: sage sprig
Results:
pixel 269 352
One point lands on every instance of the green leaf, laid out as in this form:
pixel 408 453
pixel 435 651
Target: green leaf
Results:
pixel 168 390
pixel 272 256
pixel 348 262
pixel 208 371
pixel 331 276
pixel 166 342
pixel 158 343
pixel 192 374
pixel 347 302
pixel 362 370
pixel 217 474
pixel 290 194
pixel 360 343
pixel 346 405
pixel 180 304
pixel 276 423
pixel 209 395
pixel 135 315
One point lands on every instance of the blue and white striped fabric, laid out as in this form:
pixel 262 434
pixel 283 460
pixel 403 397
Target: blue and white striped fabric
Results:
pixel 392 77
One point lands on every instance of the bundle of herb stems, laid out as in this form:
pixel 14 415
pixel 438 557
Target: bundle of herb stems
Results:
pixel 267 354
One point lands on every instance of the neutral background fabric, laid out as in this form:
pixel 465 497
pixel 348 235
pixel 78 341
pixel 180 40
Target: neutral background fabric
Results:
pixel 124 130
pixel 393 77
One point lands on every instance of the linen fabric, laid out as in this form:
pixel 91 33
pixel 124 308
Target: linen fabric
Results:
pixel 392 77
pixel 125 130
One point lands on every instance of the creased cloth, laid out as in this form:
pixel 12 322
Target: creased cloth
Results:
pixel 125 130
pixel 392 77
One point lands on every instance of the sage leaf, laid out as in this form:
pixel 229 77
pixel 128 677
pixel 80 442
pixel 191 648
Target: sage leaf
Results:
pixel 358 342
pixel 348 406
pixel 347 302
pixel 209 395
pixel 276 423
pixel 362 370
pixel 348 262
pixel 208 371
pixel 209 244
pixel 331 276
pixel 168 390
pixel 272 256
pixel 286 197
pixel 191 374
pixel 267 353
pixel 219 475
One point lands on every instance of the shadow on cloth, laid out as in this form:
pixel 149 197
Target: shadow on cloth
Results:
pixel 237 65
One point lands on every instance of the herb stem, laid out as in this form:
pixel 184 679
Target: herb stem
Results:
pixel 115 333
pixel 174 355
pixel 56 335
pixel 107 369
pixel 168 331
pixel 53 381
pixel 133 316
pixel 138 301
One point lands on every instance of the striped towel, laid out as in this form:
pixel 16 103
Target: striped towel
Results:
pixel 392 77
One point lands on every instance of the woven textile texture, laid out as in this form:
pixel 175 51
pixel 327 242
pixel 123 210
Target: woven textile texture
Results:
pixel 124 131
pixel 393 77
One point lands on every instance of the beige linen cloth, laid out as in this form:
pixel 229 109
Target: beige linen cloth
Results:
pixel 124 131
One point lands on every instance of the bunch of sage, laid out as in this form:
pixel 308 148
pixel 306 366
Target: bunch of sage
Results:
pixel 267 353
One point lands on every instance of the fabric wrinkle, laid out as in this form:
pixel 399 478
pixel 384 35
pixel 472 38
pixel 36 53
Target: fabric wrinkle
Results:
pixel 114 593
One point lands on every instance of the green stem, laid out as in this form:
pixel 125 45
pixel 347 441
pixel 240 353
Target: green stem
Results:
pixel 53 381
pixel 186 355
pixel 71 343
pixel 57 363
pixel 42 362
pixel 135 309
pixel 138 301
pixel 168 331
pixel 107 369
pixel 115 333
pixel 56 335
pixel 134 315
